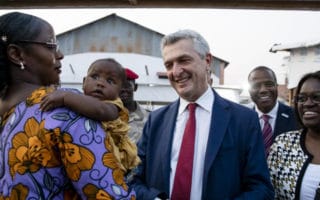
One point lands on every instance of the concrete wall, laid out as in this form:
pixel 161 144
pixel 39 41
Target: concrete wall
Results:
pixel 302 61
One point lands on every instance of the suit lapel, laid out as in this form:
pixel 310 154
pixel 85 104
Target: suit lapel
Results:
pixel 167 128
pixel 282 118
pixel 219 123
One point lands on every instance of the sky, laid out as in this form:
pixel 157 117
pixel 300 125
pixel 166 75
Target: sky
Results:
pixel 241 37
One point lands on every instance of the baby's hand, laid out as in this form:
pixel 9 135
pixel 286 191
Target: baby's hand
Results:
pixel 53 100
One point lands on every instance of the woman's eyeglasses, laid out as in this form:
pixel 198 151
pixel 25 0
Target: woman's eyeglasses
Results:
pixel 314 97
pixel 49 45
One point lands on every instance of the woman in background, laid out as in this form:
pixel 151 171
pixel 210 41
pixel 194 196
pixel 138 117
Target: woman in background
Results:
pixel 294 159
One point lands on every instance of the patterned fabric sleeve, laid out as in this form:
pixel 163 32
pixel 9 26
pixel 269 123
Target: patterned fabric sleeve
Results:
pixel 86 154
pixel 56 155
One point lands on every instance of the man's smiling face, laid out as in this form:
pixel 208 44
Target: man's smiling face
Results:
pixel 263 89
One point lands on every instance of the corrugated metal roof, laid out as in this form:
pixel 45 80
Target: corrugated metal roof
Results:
pixel 288 47
pixel 113 15
pixel 67 35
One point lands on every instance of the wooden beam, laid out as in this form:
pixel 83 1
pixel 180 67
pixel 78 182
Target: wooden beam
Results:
pixel 228 4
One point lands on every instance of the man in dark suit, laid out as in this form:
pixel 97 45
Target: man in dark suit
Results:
pixel 228 160
pixel 264 94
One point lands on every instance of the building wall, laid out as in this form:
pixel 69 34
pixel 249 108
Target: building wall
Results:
pixel 217 67
pixel 111 34
pixel 302 61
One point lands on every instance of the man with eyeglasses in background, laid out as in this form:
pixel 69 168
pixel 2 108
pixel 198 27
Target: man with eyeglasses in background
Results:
pixel 264 94
pixel 137 114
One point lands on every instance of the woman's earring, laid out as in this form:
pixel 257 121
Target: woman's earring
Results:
pixel 22 66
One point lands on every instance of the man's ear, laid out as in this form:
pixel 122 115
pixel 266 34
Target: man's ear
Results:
pixel 208 59
pixel 15 54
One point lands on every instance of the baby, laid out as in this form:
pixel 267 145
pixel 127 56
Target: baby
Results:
pixel 101 101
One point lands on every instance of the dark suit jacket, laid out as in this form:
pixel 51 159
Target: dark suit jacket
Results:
pixel 285 121
pixel 235 165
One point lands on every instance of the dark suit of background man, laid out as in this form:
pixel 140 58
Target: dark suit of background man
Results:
pixel 229 161
pixel 264 93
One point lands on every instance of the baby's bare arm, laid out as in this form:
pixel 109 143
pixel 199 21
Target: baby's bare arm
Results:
pixel 83 104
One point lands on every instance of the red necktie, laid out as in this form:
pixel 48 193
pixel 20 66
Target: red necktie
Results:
pixel 267 134
pixel 182 180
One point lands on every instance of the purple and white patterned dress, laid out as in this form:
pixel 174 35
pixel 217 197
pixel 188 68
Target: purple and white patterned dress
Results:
pixel 56 155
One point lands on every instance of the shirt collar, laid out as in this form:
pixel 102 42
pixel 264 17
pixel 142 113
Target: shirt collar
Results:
pixel 205 101
pixel 272 113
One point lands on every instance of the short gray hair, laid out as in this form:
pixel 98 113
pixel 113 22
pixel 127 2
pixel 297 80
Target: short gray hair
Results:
pixel 200 44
